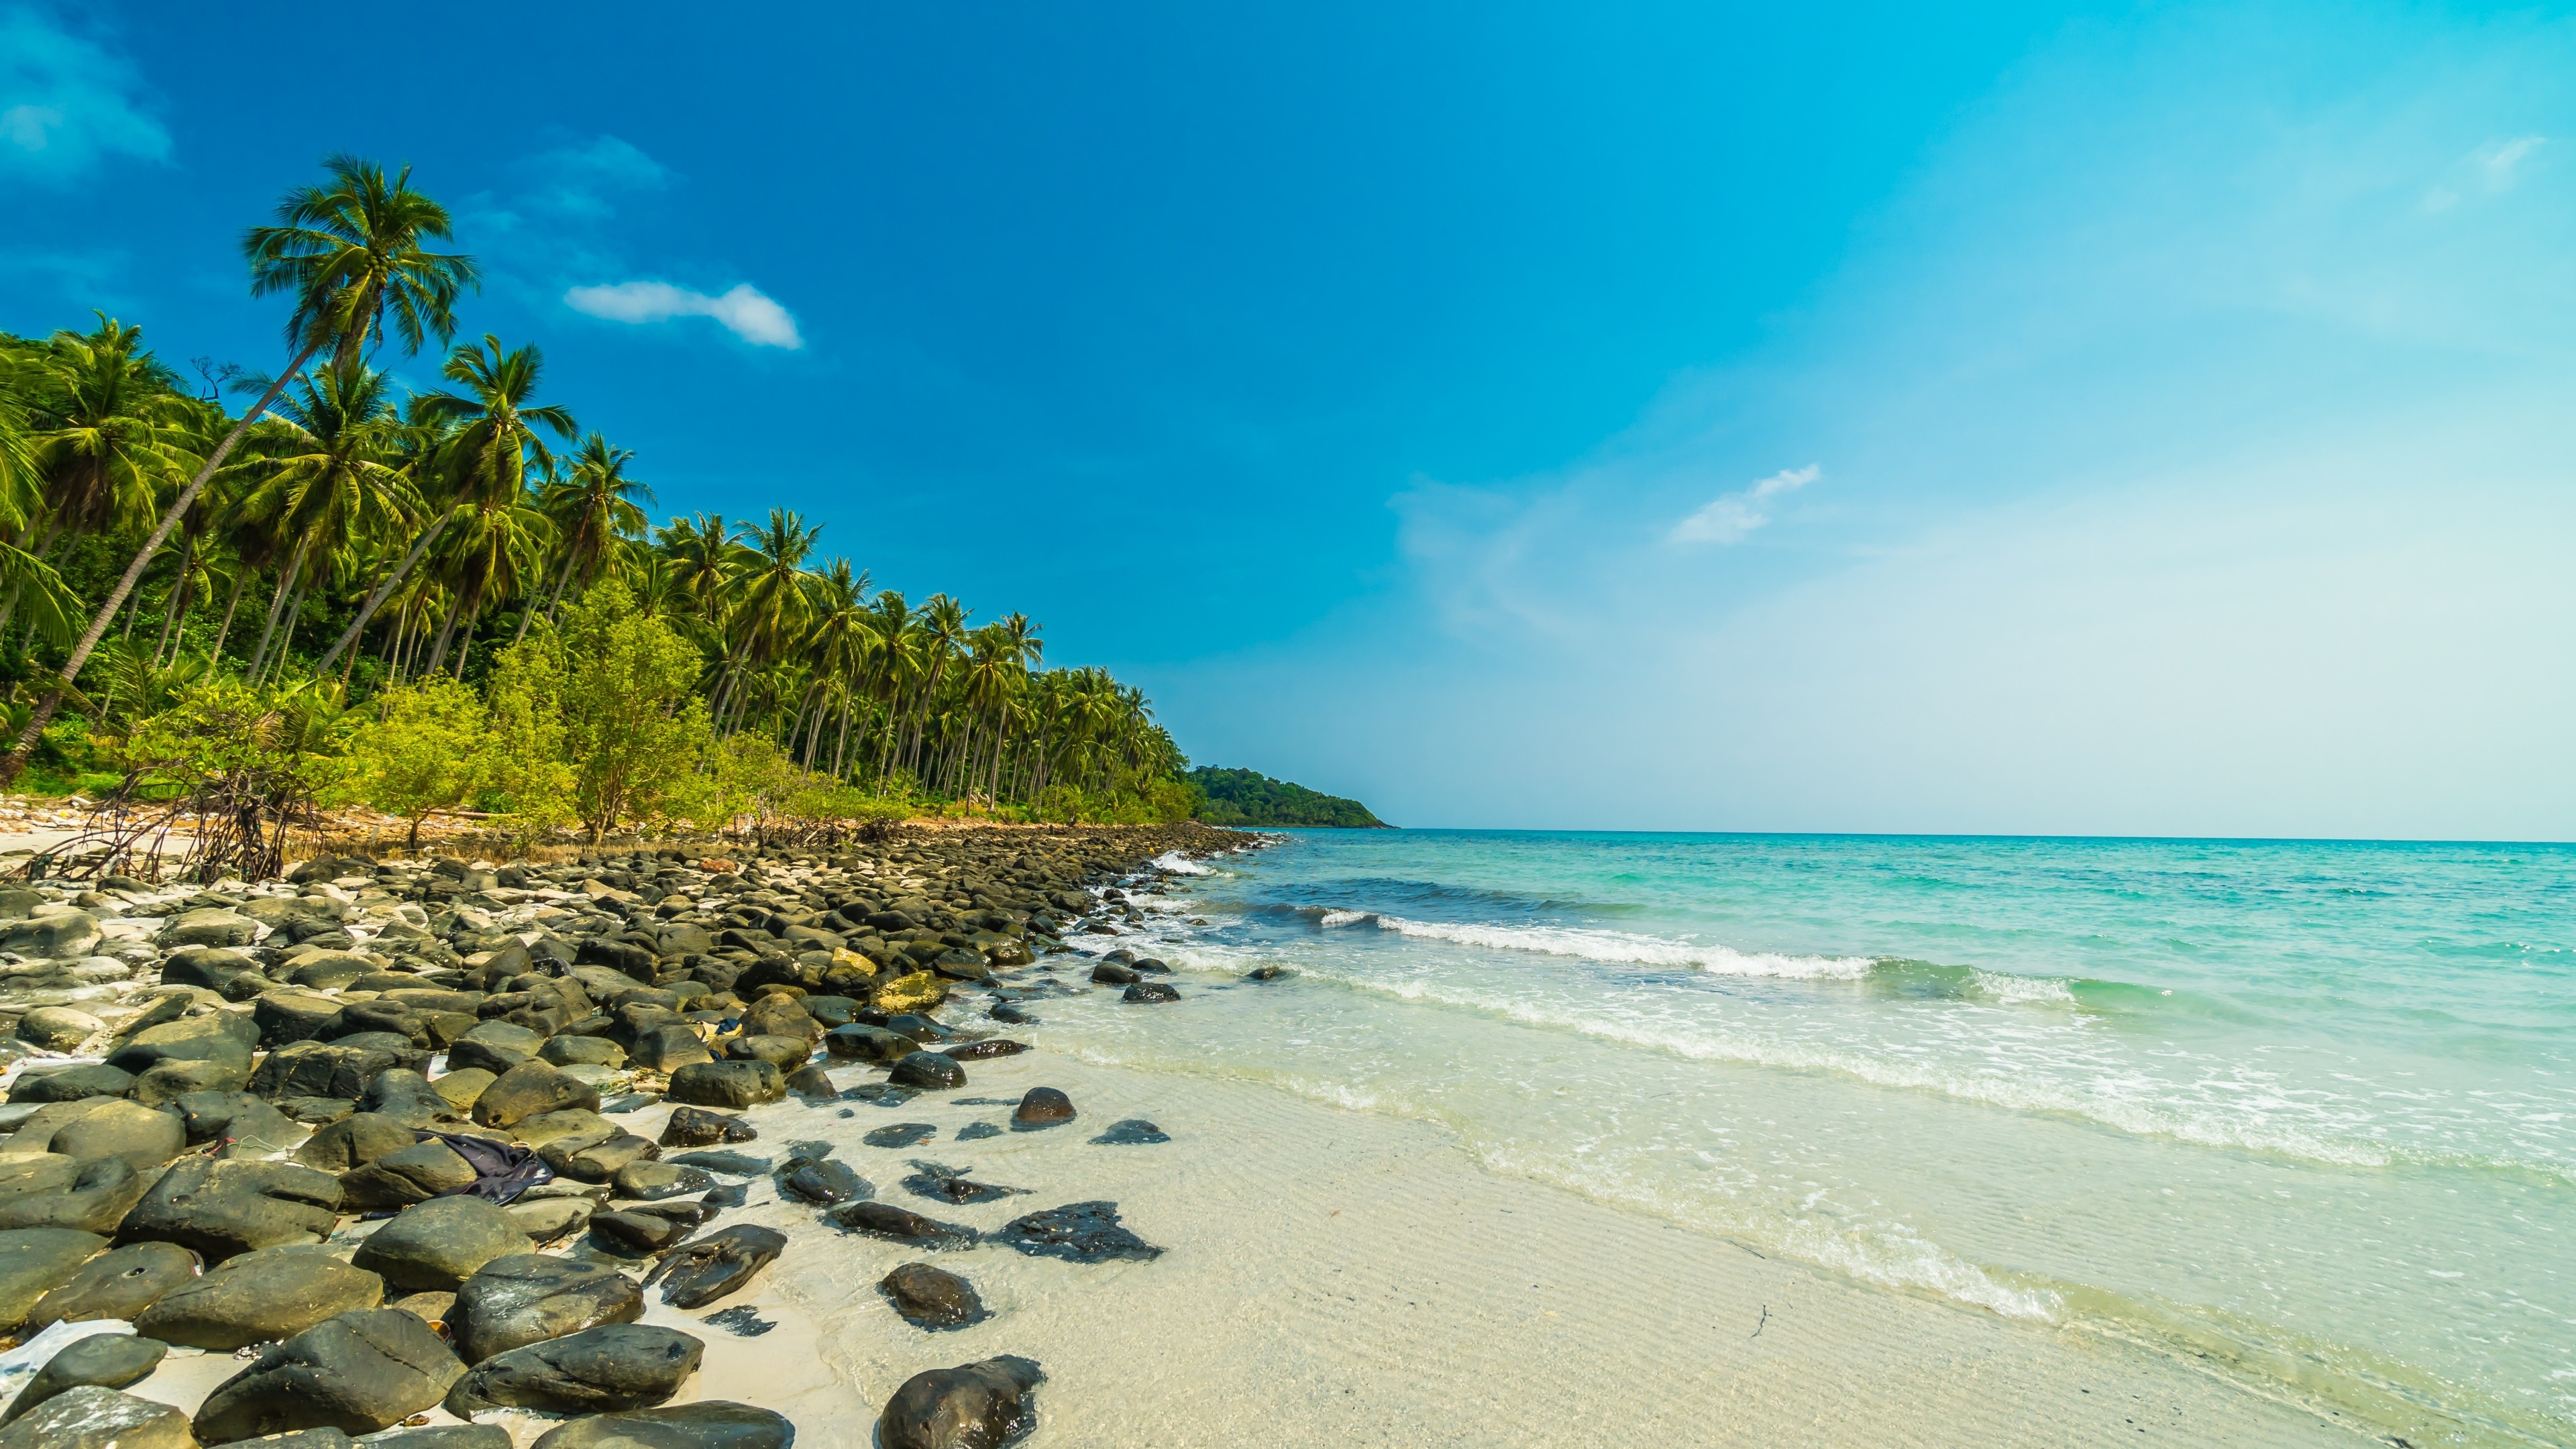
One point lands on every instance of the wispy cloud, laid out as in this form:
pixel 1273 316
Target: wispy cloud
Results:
pixel 744 311
pixel 2493 169
pixel 65 102
pixel 1734 516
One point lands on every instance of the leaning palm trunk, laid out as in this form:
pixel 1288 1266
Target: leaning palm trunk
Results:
pixel 276 604
pixel 43 714
pixel 223 630
pixel 384 590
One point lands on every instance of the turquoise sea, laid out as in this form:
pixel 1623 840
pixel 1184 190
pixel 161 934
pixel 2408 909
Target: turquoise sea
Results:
pixel 2305 1111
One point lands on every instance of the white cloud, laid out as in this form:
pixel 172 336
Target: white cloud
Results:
pixel 2497 161
pixel 65 103
pixel 1730 518
pixel 745 311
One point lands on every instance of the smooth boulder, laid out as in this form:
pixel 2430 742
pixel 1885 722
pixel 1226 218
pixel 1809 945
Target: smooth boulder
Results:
pixel 529 1297
pixel 1042 1107
pixel 36 1261
pixel 706 1424
pixel 598 1370
pixel 91 1417
pixel 529 1089
pixel 436 1245
pixel 929 1071
pixel 734 1084
pixel 705 1269
pixel 259 1297
pixel 931 1298
pixel 980 1405
pixel 106 1360
pixel 358 1373
pixel 224 1208
pixel 117 1284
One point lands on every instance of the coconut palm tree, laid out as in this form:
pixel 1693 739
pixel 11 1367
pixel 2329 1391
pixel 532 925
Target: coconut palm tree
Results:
pixel 592 508
pixel 325 477
pixel 494 444
pixel 352 253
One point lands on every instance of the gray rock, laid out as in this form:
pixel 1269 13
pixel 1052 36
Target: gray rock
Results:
pixel 638 1232
pixel 106 1360
pixel 529 1089
pixel 236 1116
pixel 35 1262
pixel 259 1297
pixel 58 1028
pixel 406 1097
pixel 436 1245
pixel 224 1208
pixel 358 1373
pixel 70 1084
pixel 1081 1232
pixel 667 1048
pixel 284 1017
pixel 1042 1107
pixel 142 1136
pixel 783 1052
pixel 706 1424
pixel 705 1269
pixel 209 927
pixel 121 1284
pixel 598 1370
pixel 339 1069
pixel 439 1436
pixel 100 1192
pixel 1133 1132
pixel 884 1220
pixel 645 1181
pixel 228 1036
pixel 400 1178
pixel 932 1299
pixel 353 1142
pixel 824 1182
pixel 91 1417
pixel 596 1157
pixel 590 1051
pixel 60 936
pixel 973 1406
pixel 547 1218
pixel 728 1084
pixel 528 1297
pixel 901 1134
pixel 867 1044
pixel 166 1082
pixel 929 1071
pixel 697 1127
pixel 1150 993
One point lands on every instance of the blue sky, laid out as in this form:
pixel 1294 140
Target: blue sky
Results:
pixel 2110 419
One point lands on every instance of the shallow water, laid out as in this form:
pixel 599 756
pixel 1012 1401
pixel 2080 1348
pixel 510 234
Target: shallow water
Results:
pixel 2304 1111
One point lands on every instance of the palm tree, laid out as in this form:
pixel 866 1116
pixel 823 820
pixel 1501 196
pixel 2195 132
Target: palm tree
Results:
pixel 350 252
pixel 591 509
pixel 324 479
pixel 774 597
pixel 494 443
pixel 422 445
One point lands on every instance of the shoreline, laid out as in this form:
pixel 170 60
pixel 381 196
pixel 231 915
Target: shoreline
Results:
pixel 1325 1275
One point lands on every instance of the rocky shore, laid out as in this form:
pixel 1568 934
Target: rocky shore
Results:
pixel 420 1144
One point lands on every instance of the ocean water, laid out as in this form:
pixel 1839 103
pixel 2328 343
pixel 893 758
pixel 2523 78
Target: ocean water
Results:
pixel 2302 1112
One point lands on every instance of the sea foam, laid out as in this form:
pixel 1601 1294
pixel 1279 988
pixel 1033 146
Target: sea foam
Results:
pixel 1616 947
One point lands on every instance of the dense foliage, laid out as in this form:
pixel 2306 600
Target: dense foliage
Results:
pixel 463 587
pixel 1247 797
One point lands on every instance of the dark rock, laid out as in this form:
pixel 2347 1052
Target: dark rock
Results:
pixel 1110 973
pixel 234 1116
pixel 728 1084
pixel 437 1436
pixel 164 1082
pixel 706 1424
pixel 881 1094
pixel 106 1360
pixel 260 1297
pixel 91 1417
pixel 811 1081
pixel 697 1127
pixel 118 1284
pixel 737 1164
pixel 358 1372
pixel 741 1320
pixel 70 1084
pixel 917 1027
pixel 1080 1232
pixel 977 1131
pixel 436 1245
pixel 430 1308
pixel 976 1051
pixel 597 1156
pixel 705 1269
pixel 1041 1107
pixel 416 1173
pixel 645 1181
pixel 667 1048
pixel 1135 1131
pixel 901 1134
pixel 97 1196
pixel 338 1069
pixel 932 1299
pixel 947 1184
pixel 867 1044
pixel 406 1097
pixel 884 1220
pixel 529 1089
pixel 973 1406
pixel 529 1297
pixel 218 1035
pixel 607 1369
pixel 35 1262
pixel 576 1051
pixel 1003 1011
pixel 1149 992
pixel 353 1142
pixel 825 1183
pixel 928 1071
pixel 1269 973
pixel 143 1136
pixel 638 1232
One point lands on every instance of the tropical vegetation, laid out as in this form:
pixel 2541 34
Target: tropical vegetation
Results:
pixel 455 599
pixel 1248 797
